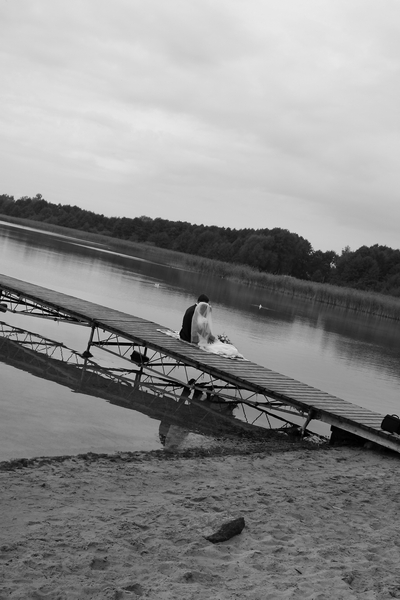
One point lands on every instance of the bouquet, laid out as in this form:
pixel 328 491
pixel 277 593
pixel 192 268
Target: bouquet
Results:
pixel 224 338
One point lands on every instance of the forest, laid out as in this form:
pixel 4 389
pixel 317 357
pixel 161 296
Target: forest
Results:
pixel 276 251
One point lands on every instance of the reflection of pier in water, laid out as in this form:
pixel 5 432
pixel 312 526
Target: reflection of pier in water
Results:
pixel 167 366
pixel 192 411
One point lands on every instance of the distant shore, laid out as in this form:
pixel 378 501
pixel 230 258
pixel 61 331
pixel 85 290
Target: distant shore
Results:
pixel 370 303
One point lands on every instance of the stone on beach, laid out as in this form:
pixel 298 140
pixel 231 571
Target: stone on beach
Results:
pixel 227 531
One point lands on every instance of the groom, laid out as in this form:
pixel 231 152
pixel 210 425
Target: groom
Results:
pixel 186 331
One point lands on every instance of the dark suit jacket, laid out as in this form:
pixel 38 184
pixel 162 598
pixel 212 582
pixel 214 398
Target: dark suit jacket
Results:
pixel 186 331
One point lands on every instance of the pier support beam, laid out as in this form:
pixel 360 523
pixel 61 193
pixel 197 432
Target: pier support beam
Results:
pixel 310 416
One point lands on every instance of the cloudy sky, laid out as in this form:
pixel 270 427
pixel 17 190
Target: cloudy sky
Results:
pixel 237 113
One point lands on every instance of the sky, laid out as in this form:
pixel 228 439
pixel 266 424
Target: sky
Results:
pixel 236 113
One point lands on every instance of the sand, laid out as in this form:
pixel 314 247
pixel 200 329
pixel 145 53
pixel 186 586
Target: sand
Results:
pixel 321 522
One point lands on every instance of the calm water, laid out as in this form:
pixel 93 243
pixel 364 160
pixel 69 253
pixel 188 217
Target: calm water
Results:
pixel 354 357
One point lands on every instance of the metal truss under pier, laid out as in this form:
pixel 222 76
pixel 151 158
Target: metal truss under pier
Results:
pixel 166 367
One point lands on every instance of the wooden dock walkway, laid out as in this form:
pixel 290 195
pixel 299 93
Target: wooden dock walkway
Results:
pixel 312 403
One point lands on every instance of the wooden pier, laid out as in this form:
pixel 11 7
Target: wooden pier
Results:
pixel 169 366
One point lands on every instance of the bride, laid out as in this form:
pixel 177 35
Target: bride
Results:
pixel 202 333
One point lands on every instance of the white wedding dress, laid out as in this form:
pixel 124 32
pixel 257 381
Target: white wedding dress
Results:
pixel 221 348
pixel 203 336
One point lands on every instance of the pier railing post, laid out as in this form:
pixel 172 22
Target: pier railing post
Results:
pixel 87 354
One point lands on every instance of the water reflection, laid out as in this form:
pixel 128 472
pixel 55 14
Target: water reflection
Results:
pixel 174 419
pixel 349 355
pixel 172 436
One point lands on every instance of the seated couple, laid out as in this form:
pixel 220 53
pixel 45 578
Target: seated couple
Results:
pixel 197 329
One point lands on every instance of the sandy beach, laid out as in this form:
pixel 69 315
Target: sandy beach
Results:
pixel 321 523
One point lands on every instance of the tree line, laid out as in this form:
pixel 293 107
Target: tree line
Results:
pixel 276 251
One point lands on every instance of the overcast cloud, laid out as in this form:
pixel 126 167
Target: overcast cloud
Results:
pixel 237 113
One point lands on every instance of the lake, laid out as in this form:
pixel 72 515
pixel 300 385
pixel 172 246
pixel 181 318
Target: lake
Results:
pixel 355 357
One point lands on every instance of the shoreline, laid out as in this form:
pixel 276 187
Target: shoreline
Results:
pixel 200 447
pixel 320 524
pixel 374 304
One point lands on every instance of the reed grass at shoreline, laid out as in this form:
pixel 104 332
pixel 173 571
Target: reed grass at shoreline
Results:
pixel 371 303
